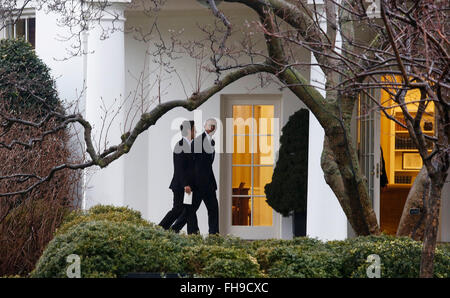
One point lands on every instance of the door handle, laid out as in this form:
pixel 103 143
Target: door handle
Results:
pixel 377 170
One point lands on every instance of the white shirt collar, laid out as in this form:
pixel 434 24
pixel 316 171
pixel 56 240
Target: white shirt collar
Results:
pixel 187 140
pixel 208 136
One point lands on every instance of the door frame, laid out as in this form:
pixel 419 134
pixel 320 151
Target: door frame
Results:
pixel 225 204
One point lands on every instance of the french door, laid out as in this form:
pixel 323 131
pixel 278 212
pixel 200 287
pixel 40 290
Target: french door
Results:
pixel 369 146
pixel 251 139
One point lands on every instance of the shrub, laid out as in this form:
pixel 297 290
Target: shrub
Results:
pixel 111 242
pixel 113 249
pixel 221 262
pixel 297 261
pixel 28 221
pixel 22 73
pixel 225 241
pixel 264 250
pixel 305 242
pixel 102 212
pixel 445 246
pixel 288 190
pixel 400 256
pixel 114 241
pixel 25 232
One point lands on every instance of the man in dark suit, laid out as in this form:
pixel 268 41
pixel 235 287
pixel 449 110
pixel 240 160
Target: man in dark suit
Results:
pixel 183 173
pixel 205 183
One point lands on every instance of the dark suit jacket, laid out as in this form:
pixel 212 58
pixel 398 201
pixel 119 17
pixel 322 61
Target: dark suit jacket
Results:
pixel 183 166
pixel 203 159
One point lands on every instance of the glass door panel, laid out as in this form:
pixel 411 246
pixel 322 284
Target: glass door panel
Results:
pixel 241 211
pixel 252 164
pixel 242 120
pixel 241 150
pixel 261 176
pixel 262 215
pixel 264 115
pixel 242 177
pixel 263 150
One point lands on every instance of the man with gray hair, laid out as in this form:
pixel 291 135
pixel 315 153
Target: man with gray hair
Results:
pixel 205 183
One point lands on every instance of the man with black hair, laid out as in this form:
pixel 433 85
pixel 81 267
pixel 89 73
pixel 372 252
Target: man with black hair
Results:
pixel 183 173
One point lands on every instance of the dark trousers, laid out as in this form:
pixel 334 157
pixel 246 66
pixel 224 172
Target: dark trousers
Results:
pixel 190 216
pixel 176 211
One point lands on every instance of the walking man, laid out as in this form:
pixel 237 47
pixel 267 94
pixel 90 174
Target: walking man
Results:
pixel 183 173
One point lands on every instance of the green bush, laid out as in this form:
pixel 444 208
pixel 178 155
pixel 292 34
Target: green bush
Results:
pixel 225 241
pixel 399 256
pixel 23 74
pixel 277 257
pixel 445 247
pixel 102 212
pixel 305 242
pixel 113 241
pixel 296 261
pixel 31 219
pixel 109 248
pixel 219 261
pixel 288 190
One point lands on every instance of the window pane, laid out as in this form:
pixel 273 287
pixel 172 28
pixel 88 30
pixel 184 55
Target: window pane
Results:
pixel 241 211
pixel 262 212
pixel 241 150
pixel 9 30
pixel 242 180
pixel 32 31
pixel 242 119
pixel 264 111
pixel 261 176
pixel 264 119
pixel 20 28
pixel 263 150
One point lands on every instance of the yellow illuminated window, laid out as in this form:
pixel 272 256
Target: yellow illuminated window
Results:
pixel 252 164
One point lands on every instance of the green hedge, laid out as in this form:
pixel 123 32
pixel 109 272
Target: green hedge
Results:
pixel 301 257
pixel 400 256
pixel 295 261
pixel 111 242
pixel 102 212
pixel 109 248
pixel 23 74
pixel 219 261
pixel 114 241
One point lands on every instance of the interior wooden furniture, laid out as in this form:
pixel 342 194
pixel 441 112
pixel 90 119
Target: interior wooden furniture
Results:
pixel 241 211
pixel 393 199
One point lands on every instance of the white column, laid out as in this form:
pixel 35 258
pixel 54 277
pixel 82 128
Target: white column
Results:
pixel 325 218
pixel 106 88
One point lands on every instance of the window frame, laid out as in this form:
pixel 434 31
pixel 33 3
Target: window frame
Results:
pixel 9 30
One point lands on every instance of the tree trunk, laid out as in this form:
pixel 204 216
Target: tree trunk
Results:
pixel 342 174
pixel 413 225
pixel 431 228
pixel 437 169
